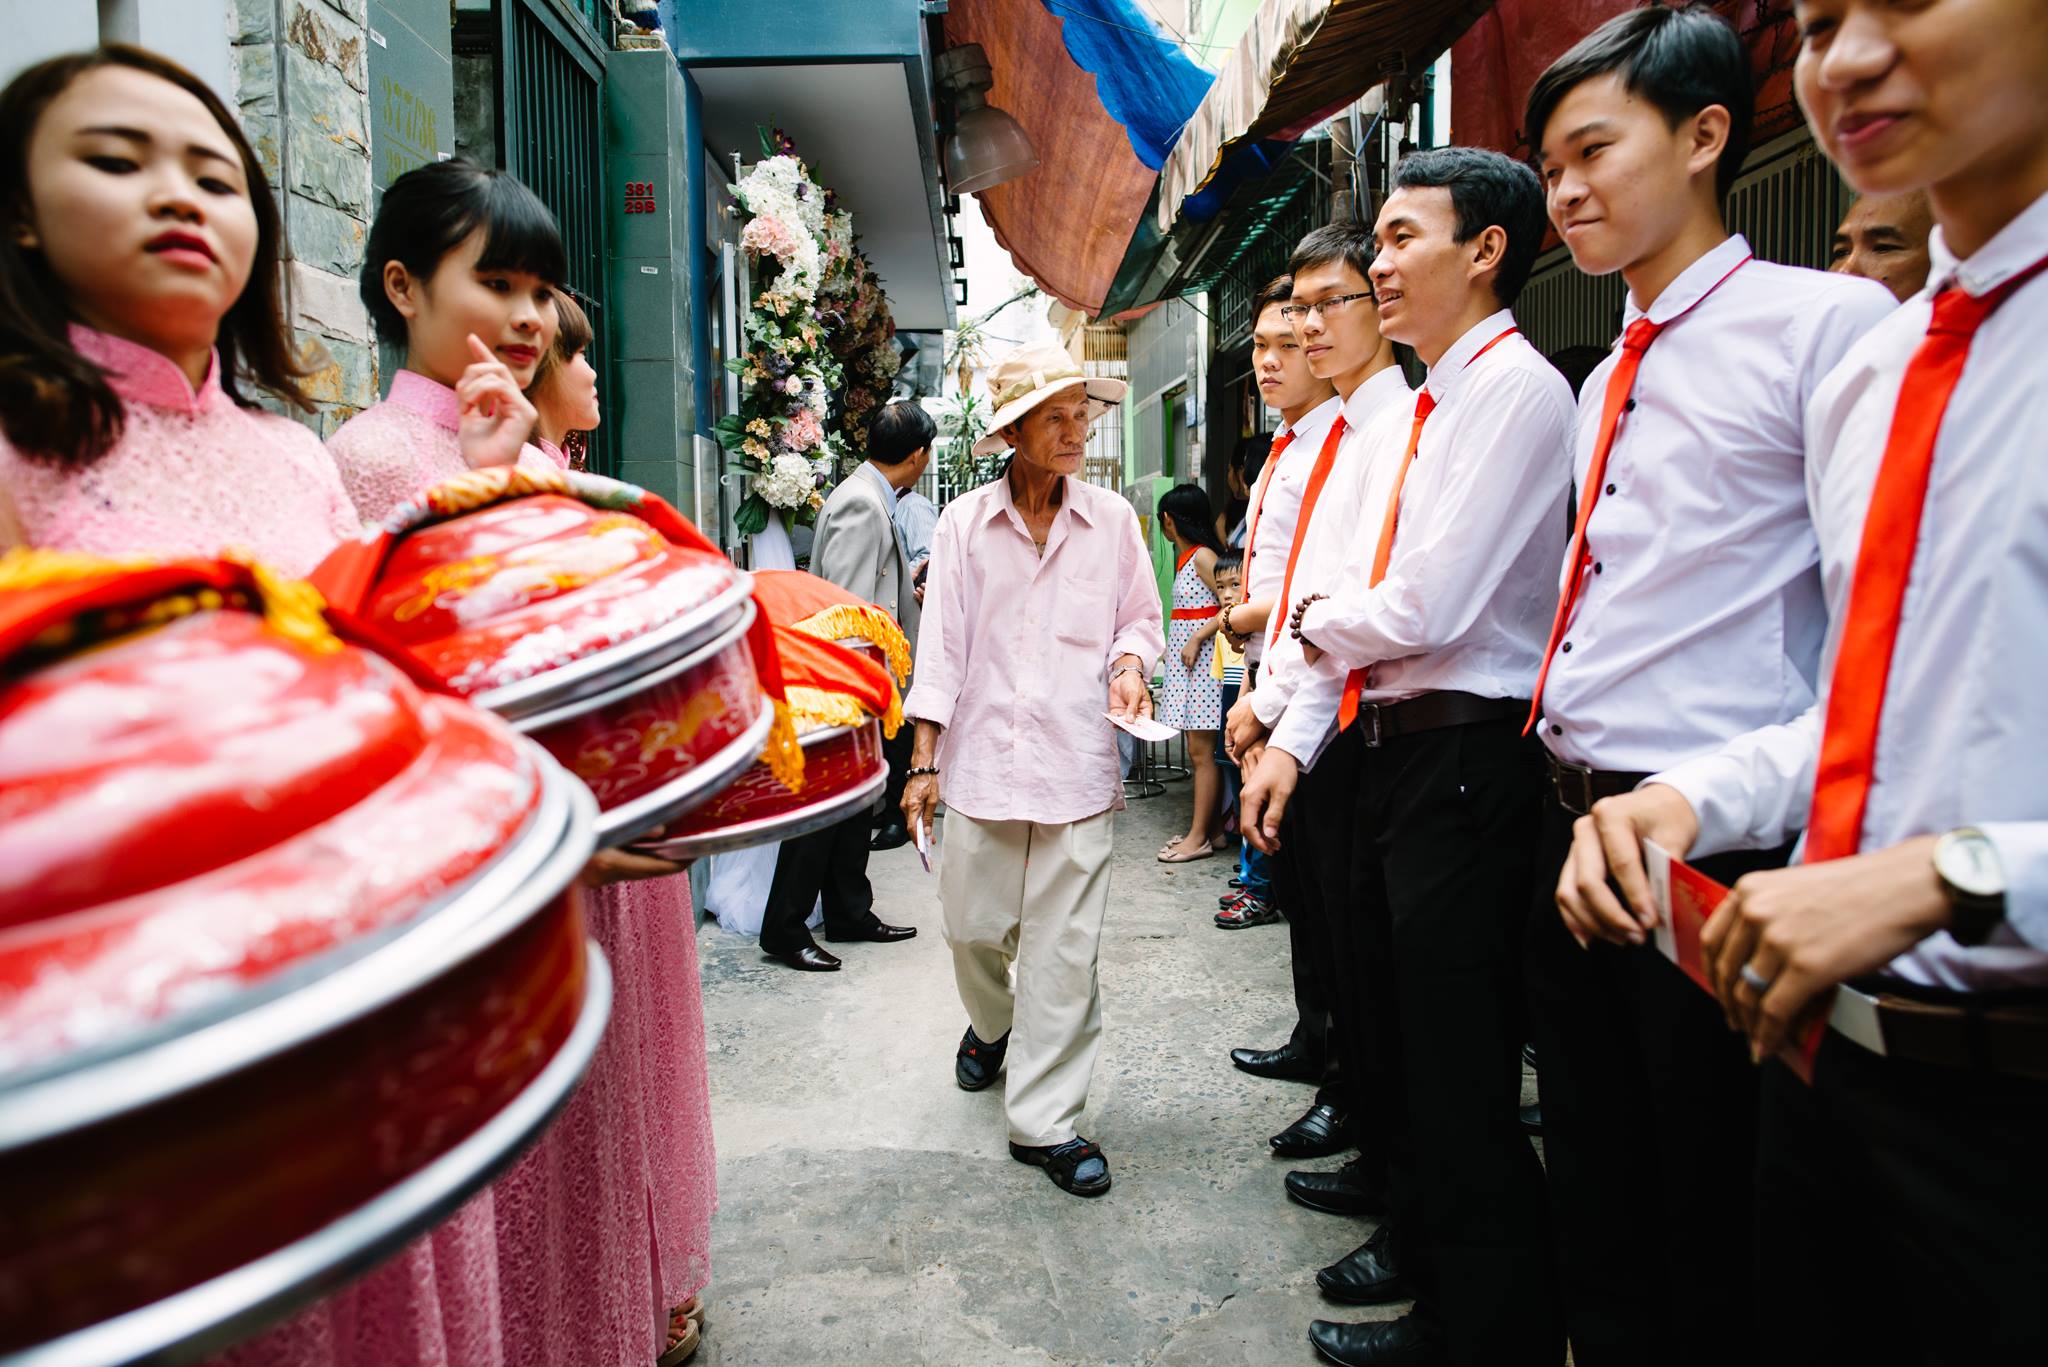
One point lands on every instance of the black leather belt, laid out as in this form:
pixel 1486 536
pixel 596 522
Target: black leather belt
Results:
pixel 1379 722
pixel 1577 788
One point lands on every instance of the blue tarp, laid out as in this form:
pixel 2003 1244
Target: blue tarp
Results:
pixel 1146 82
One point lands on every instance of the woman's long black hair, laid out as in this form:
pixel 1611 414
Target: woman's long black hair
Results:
pixel 431 210
pixel 1187 506
pixel 56 405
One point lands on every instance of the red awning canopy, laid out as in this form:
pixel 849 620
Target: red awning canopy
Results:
pixel 1065 224
pixel 1495 63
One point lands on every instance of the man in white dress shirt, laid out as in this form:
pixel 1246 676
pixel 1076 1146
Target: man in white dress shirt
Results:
pixel 1331 309
pixel 1431 645
pixel 1690 612
pixel 1307 406
pixel 1902 1215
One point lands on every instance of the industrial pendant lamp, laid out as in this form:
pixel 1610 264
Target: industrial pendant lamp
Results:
pixel 988 147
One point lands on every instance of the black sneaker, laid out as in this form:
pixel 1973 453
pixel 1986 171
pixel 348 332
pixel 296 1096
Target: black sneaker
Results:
pixel 978 1061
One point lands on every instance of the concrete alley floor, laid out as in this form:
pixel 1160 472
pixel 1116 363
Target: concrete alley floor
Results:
pixel 870 1211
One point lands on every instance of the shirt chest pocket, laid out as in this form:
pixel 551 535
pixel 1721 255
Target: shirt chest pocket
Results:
pixel 1081 614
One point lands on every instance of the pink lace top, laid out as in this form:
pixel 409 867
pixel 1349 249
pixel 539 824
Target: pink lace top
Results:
pixel 193 473
pixel 393 450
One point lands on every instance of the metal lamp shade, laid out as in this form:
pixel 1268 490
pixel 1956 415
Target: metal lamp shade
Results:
pixel 987 148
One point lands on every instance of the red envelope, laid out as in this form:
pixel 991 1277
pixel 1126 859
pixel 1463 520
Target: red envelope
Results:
pixel 1686 899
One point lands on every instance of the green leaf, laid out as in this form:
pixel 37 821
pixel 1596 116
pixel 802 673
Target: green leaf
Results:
pixel 731 422
pixel 752 516
pixel 736 364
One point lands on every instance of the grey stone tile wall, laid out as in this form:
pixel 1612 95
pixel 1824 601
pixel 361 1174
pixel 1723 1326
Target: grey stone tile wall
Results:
pixel 302 84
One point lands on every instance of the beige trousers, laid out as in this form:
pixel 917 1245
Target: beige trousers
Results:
pixel 1023 894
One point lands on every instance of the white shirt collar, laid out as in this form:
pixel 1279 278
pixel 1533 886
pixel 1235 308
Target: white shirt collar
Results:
pixel 1367 399
pixel 1693 283
pixel 1317 418
pixel 1443 376
pixel 2018 245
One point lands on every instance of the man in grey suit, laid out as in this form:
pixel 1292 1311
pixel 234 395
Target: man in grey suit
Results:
pixel 857 546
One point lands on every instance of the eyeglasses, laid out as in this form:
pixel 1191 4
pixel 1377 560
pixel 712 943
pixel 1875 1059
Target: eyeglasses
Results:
pixel 1294 313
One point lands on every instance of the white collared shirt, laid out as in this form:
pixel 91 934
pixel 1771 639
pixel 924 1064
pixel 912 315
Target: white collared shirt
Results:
pixel 1963 736
pixel 1377 413
pixel 1468 595
pixel 1275 507
pixel 1703 617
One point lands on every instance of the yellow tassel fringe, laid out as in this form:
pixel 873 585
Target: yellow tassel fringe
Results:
pixel 844 620
pixel 291 607
pixel 784 754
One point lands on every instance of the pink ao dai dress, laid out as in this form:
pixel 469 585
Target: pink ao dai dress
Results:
pixel 193 473
pixel 606 1224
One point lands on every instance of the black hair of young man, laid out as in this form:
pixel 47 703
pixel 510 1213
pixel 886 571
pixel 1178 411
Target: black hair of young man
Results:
pixel 1278 290
pixel 899 430
pixel 1487 190
pixel 1680 60
pixel 1348 242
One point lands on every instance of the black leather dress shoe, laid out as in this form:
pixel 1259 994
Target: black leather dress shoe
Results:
pixel 1290 1062
pixel 809 958
pixel 1318 1133
pixel 874 930
pixel 1375 1343
pixel 890 837
pixel 978 1061
pixel 1366 1275
pixel 1347 1191
pixel 1532 1119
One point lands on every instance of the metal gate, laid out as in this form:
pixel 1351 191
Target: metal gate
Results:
pixel 551 135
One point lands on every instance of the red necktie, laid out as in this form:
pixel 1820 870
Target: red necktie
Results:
pixel 1266 477
pixel 1884 564
pixel 1634 343
pixel 1577 558
pixel 1318 475
pixel 1354 682
pixel 1425 404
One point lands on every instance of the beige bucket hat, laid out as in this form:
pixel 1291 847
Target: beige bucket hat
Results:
pixel 1026 378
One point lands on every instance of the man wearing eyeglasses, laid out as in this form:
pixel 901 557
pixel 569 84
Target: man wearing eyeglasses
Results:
pixel 1332 313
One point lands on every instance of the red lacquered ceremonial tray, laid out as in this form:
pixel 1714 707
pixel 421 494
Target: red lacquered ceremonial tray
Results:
pixel 844 772
pixel 586 613
pixel 291 959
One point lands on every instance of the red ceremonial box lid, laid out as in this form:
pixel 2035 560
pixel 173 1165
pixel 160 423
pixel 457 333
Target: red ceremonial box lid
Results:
pixel 519 589
pixel 236 838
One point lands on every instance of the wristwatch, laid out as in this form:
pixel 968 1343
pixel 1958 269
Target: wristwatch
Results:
pixel 1973 878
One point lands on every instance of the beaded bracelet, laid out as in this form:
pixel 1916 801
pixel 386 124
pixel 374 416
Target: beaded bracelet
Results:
pixel 922 771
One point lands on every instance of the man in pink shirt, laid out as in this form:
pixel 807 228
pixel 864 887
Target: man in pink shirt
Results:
pixel 1040 612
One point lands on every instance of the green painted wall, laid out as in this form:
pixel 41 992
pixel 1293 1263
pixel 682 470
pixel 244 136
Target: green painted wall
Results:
pixel 654 381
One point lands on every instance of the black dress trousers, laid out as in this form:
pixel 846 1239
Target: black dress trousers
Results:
pixel 832 863
pixel 1902 1213
pixel 896 752
pixel 1330 804
pixel 1649 1127
pixel 1443 849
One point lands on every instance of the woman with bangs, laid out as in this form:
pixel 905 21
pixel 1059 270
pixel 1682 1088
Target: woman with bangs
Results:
pixel 461 273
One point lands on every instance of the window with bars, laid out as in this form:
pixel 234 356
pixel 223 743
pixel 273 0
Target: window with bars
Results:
pixel 551 135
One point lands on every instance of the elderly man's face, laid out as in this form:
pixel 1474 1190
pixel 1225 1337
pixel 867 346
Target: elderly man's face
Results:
pixel 1053 437
pixel 1884 238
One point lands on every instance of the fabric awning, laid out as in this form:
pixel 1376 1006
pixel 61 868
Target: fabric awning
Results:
pixel 1493 65
pixel 1299 62
pixel 1066 224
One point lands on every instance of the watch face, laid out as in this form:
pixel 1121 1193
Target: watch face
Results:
pixel 1969 861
